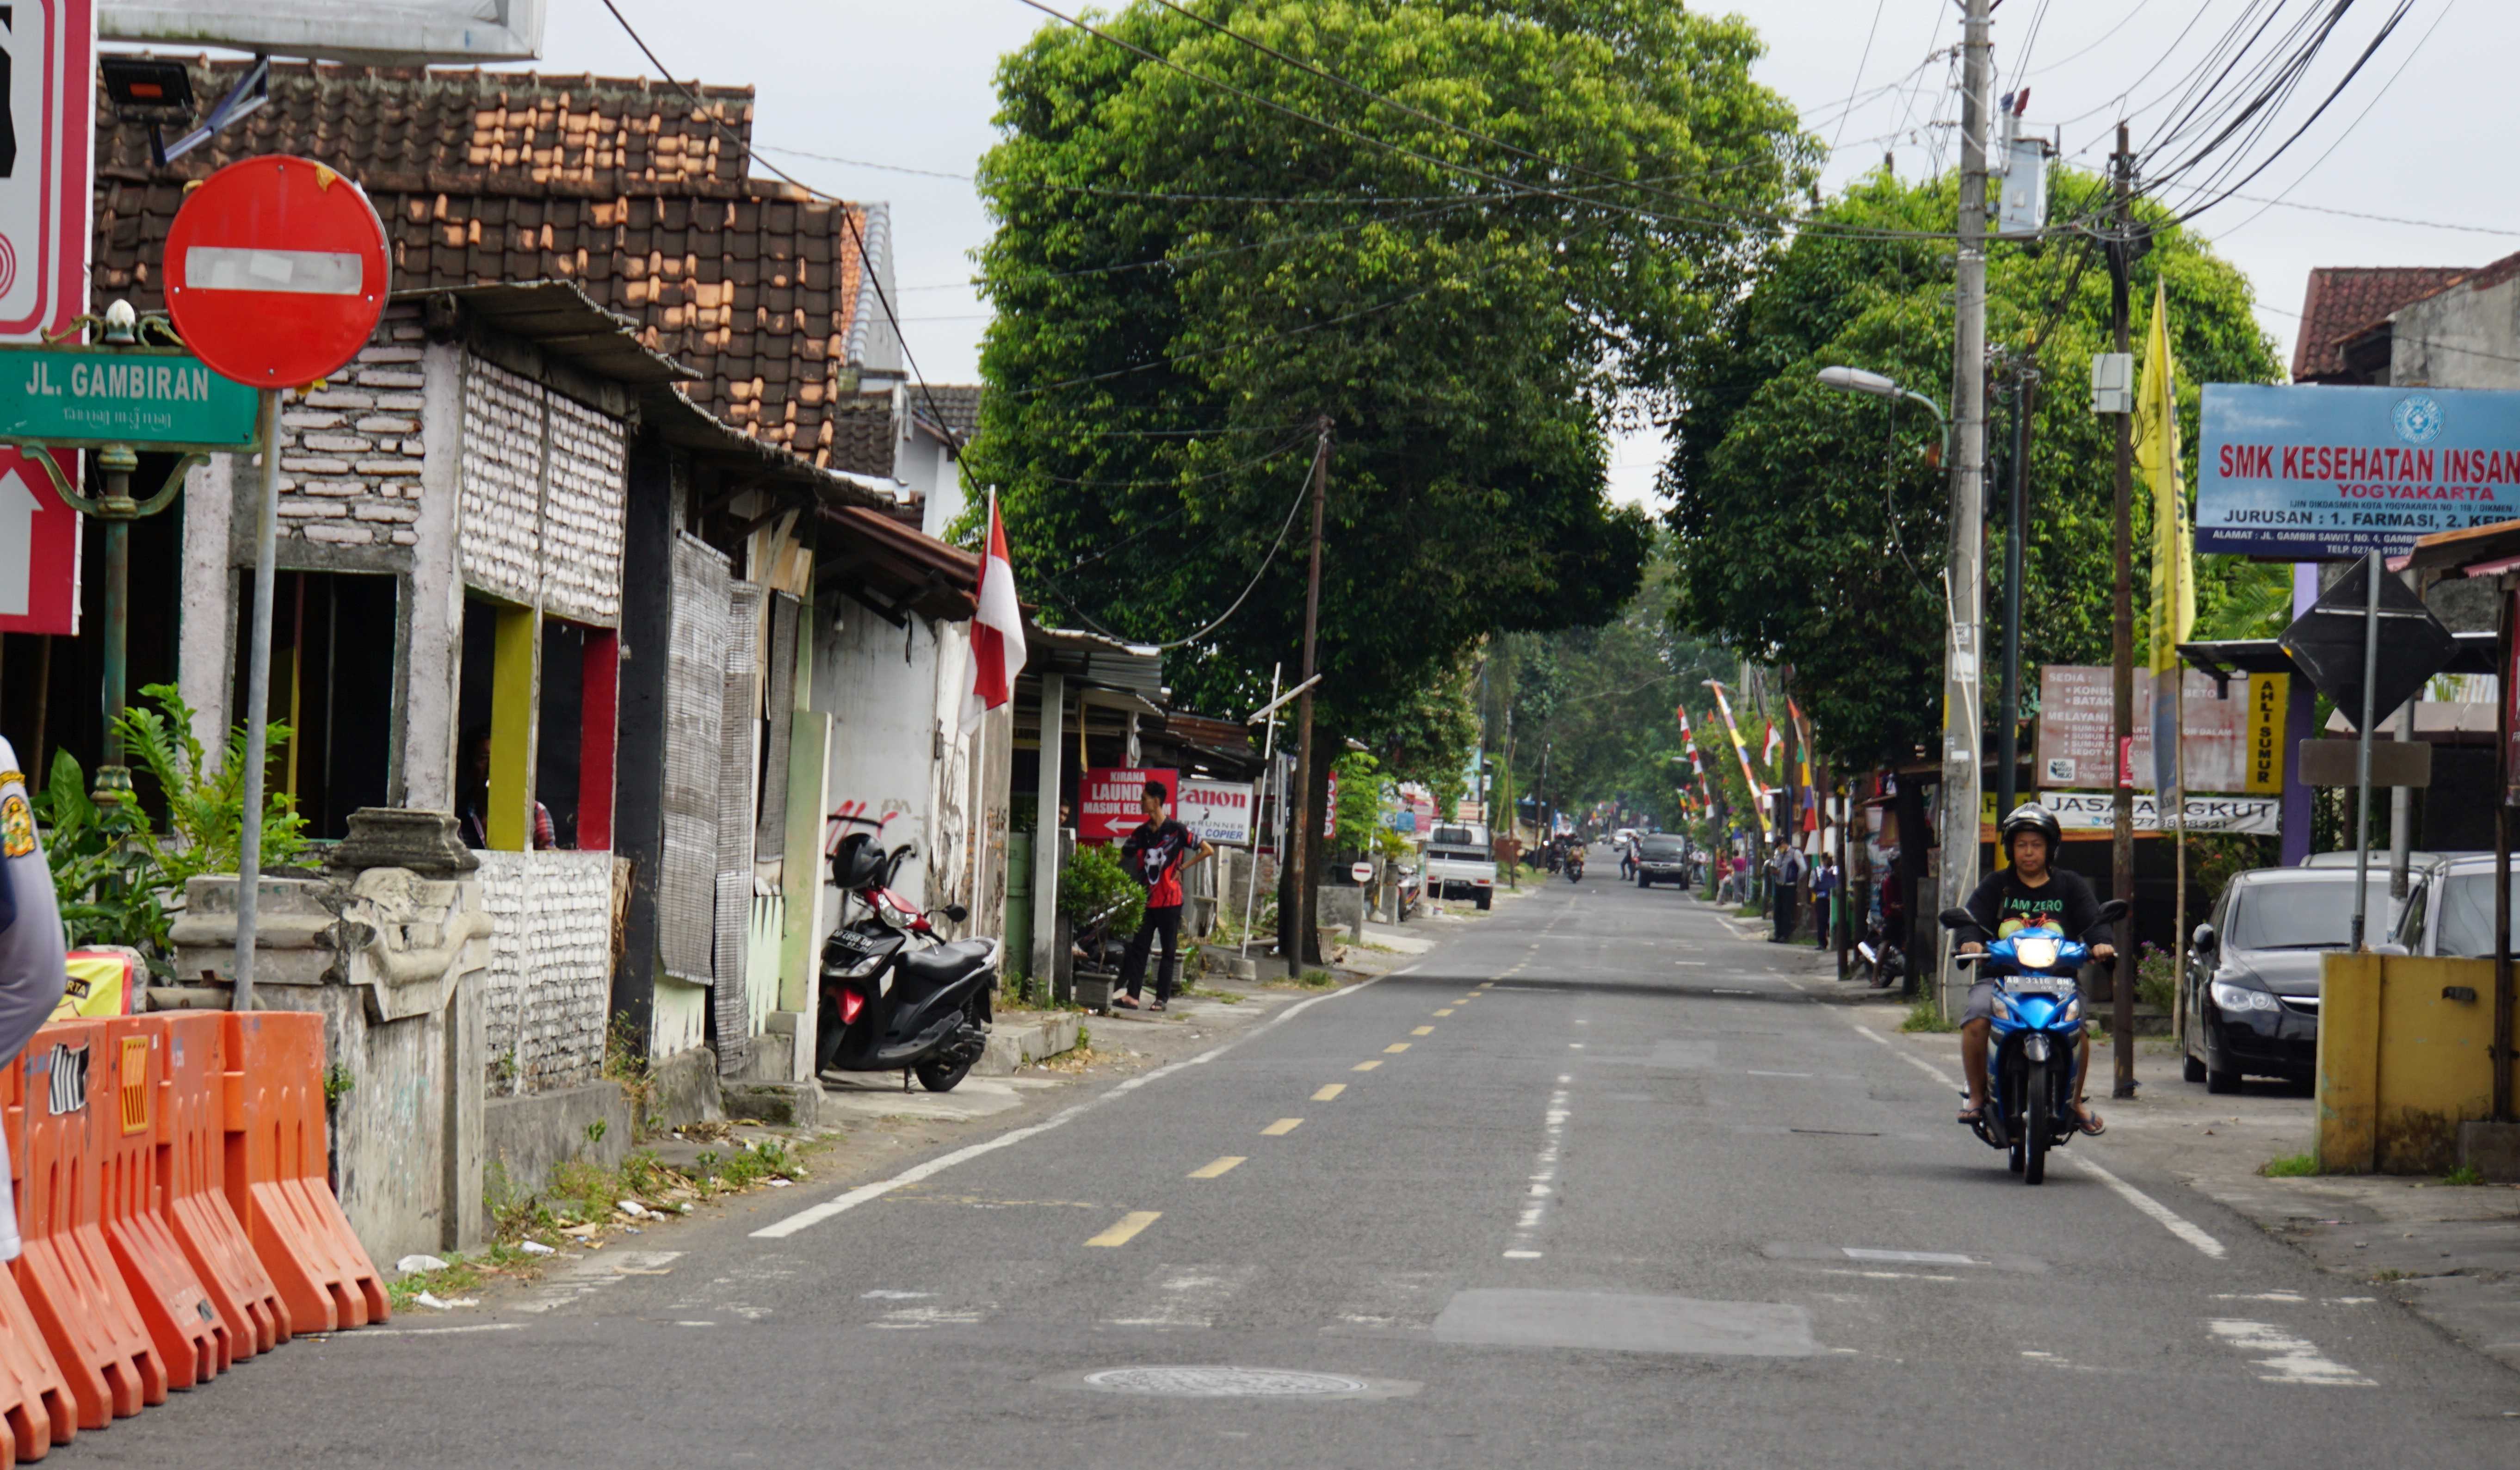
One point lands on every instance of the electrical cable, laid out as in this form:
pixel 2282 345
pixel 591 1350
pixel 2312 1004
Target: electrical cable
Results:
pixel 848 216
pixel 1878 6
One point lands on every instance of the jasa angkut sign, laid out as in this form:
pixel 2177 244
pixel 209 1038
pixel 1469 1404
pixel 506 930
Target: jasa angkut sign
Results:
pixel 2319 473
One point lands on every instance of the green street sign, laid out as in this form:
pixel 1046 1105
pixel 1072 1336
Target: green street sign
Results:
pixel 143 397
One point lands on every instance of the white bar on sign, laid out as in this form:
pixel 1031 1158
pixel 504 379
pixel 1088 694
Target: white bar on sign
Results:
pixel 314 273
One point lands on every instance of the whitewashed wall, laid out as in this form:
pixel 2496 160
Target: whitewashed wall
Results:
pixel 550 980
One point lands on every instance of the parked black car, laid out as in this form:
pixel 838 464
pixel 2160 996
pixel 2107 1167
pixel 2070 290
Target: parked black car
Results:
pixel 2252 996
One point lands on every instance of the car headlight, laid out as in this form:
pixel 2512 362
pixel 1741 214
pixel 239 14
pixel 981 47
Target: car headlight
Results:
pixel 2236 997
pixel 2036 952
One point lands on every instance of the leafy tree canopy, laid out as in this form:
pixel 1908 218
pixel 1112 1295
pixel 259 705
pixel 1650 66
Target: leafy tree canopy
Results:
pixel 1187 282
pixel 1812 523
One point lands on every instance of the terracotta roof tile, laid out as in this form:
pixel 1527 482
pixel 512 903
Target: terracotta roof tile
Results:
pixel 2342 300
pixel 625 187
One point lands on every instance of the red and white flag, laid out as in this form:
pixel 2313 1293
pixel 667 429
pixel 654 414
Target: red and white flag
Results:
pixel 997 630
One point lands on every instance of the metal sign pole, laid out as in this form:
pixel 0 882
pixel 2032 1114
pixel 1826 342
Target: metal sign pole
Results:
pixel 258 701
pixel 2362 746
pixel 1260 791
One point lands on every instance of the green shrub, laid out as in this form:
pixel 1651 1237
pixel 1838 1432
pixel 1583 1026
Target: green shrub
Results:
pixel 2291 1166
pixel 1093 884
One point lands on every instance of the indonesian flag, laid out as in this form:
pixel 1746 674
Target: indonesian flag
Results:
pixel 997 630
pixel 1774 746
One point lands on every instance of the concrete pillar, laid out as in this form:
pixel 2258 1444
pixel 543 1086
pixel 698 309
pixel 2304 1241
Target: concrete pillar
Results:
pixel 1045 842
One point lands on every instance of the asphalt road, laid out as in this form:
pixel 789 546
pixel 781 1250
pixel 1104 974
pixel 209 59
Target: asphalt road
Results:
pixel 1597 1185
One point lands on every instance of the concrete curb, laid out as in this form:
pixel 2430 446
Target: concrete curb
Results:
pixel 1013 1043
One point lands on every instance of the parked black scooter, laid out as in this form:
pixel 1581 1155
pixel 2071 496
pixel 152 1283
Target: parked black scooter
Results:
pixel 896 997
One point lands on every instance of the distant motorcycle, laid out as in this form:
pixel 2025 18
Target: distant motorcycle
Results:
pixel 1575 864
pixel 1885 962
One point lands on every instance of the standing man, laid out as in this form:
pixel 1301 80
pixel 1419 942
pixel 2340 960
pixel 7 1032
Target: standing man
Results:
pixel 1786 879
pixel 1824 886
pixel 1157 855
pixel 33 958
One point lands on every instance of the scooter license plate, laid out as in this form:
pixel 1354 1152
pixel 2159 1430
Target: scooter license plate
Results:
pixel 2040 987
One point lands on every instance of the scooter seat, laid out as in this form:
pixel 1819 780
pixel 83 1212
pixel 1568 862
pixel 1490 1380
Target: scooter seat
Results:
pixel 947 964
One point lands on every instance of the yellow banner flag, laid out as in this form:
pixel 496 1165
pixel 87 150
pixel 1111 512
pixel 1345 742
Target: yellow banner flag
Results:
pixel 2174 541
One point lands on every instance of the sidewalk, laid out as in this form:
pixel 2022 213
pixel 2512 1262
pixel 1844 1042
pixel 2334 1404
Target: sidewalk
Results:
pixel 2449 1253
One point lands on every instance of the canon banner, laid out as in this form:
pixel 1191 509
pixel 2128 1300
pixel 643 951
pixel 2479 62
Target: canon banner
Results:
pixel 1217 810
pixel 2317 471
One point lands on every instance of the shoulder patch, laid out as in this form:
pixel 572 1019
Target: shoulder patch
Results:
pixel 17 827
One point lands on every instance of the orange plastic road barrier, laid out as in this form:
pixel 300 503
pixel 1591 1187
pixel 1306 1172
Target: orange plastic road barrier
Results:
pixel 67 1272
pixel 191 1336
pixel 35 1402
pixel 277 1173
pixel 192 1178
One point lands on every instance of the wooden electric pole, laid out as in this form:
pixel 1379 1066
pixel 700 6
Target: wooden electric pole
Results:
pixel 1297 935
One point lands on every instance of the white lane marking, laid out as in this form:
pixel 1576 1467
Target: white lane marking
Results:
pixel 1885 1275
pixel 1721 991
pixel 1693 963
pixel 1526 1225
pixel 593 1273
pixel 1190 1296
pixel 2169 1220
pixel 336 1337
pixel 2289 1358
pixel 1776 1073
pixel 920 1318
pixel 814 1215
pixel 1910 1258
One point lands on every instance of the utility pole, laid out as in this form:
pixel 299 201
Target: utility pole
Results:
pixel 2007 719
pixel 1294 930
pixel 1963 651
pixel 2120 251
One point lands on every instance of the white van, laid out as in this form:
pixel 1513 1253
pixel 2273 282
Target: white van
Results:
pixel 1461 862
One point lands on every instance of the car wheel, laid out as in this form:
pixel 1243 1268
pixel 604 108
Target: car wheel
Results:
pixel 1483 901
pixel 2220 1080
pixel 1643 881
pixel 2191 1070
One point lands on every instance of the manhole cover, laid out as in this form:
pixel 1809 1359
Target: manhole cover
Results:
pixel 1223 1383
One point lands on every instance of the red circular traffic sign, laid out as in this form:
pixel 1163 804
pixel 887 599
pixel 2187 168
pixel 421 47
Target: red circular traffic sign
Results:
pixel 275 271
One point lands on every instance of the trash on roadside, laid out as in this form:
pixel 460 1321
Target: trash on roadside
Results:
pixel 633 1209
pixel 430 1298
pixel 535 1248
pixel 781 1184
pixel 581 1231
pixel 409 1264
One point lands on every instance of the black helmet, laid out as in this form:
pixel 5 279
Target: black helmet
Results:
pixel 2031 817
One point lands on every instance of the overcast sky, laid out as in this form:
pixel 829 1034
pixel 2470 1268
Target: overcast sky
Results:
pixel 913 86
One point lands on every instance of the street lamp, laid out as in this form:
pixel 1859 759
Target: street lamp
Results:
pixel 1859 381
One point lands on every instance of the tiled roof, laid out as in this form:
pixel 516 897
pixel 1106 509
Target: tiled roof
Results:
pixel 626 186
pixel 956 404
pixel 862 430
pixel 2343 299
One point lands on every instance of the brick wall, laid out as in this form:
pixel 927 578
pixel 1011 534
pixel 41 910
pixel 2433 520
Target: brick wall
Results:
pixel 541 496
pixel 549 983
pixel 349 456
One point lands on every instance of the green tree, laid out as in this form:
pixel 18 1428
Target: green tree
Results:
pixel 1188 282
pixel 1813 522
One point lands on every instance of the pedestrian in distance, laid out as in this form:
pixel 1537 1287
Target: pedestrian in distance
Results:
pixel 34 958
pixel 1824 889
pixel 1784 883
pixel 1157 855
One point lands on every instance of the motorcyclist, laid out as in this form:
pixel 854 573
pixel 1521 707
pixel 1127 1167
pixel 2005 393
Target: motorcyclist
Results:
pixel 2026 891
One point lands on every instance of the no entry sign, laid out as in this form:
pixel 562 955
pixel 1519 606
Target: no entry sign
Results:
pixel 275 271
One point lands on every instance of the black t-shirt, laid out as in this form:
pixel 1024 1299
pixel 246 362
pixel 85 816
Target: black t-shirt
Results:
pixel 2003 902
pixel 1155 855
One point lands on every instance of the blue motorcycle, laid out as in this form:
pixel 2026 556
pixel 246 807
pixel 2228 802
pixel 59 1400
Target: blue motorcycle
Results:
pixel 2037 1034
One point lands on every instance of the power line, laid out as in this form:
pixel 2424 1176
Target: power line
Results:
pixel 2095 44
pixel 1878 6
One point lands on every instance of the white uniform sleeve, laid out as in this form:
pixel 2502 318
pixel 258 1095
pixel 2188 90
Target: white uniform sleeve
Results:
pixel 32 950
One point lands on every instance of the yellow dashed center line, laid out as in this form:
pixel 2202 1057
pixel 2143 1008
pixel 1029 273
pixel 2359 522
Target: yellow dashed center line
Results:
pixel 1366 1066
pixel 1423 1030
pixel 1211 1171
pixel 1447 1010
pixel 1328 1092
pixel 1397 1046
pixel 1283 1127
pixel 1127 1228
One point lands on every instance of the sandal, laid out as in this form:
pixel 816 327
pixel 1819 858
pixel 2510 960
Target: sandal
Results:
pixel 1973 1115
pixel 1158 1006
pixel 1123 1003
pixel 2089 1122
